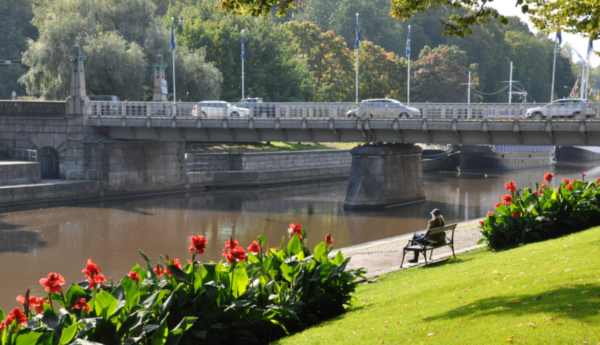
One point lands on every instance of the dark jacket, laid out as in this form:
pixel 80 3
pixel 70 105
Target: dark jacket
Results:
pixel 433 224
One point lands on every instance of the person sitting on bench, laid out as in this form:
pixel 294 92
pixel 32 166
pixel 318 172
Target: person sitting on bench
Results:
pixel 437 221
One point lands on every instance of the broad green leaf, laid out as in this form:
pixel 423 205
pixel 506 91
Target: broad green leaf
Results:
pixel 145 257
pixel 174 337
pixel 105 304
pixel 240 282
pixel 282 245
pixel 28 338
pixel 73 293
pixel 2 315
pixel 154 299
pixel 502 210
pixel 132 294
pixel 319 252
pixel 554 195
pixel 288 272
pixel 178 274
pixel 209 272
pixel 186 323
pixel 50 319
pixel 197 279
pixel 294 246
pixel 339 258
pixel 160 335
pixel 261 241
pixel 275 322
pixel 68 334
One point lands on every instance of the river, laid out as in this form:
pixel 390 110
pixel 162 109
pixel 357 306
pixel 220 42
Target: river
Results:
pixel 34 243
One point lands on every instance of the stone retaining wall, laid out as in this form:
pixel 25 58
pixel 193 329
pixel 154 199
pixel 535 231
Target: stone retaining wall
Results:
pixel 46 191
pixel 14 173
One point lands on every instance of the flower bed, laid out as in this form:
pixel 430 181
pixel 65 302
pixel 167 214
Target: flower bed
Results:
pixel 536 214
pixel 254 296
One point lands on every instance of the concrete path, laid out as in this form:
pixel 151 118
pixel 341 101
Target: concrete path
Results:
pixel 384 256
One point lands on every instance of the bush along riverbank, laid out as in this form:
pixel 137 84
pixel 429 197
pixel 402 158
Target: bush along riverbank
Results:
pixel 254 296
pixel 543 212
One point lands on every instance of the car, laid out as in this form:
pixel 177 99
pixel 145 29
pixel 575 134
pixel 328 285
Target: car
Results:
pixel 385 108
pixel 577 108
pixel 105 109
pixel 259 108
pixel 215 109
pixel 104 98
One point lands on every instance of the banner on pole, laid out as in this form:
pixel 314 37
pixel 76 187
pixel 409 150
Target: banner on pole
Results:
pixel 172 35
pixel 358 37
pixel 408 45
pixel 163 87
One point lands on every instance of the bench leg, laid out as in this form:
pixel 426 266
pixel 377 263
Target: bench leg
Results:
pixel 452 246
pixel 431 255
pixel 403 254
pixel 425 255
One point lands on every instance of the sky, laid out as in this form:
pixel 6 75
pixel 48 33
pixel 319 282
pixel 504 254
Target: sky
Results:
pixel 578 42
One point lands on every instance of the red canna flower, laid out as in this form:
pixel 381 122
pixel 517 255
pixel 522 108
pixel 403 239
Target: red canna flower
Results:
pixel 497 205
pixel 511 187
pixel 544 185
pixel 295 228
pixel 584 174
pixel 231 244
pixel 175 263
pixel 516 215
pixel 34 302
pixel 53 282
pixel 569 186
pixel 15 315
pixel 565 180
pixel 507 199
pixel 233 255
pixel 254 247
pixel 328 239
pixel 134 276
pixel 198 244
pixel 158 270
pixel 598 180
pixel 98 279
pixel 548 177
pixel 482 223
pixel 228 256
pixel 91 269
pixel 38 304
pixel 490 213
pixel 81 303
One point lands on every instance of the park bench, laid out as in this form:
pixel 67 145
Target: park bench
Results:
pixel 413 246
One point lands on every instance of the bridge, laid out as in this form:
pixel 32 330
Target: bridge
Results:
pixel 327 122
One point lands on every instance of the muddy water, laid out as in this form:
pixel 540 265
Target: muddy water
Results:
pixel 34 243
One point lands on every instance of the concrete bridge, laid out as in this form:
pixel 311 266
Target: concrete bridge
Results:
pixel 137 146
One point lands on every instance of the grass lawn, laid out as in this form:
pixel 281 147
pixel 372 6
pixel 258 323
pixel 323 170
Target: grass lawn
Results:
pixel 270 147
pixel 543 293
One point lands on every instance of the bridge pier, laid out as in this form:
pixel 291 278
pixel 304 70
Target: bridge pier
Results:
pixel 384 175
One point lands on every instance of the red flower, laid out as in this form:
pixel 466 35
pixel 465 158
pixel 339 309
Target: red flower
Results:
pixel 198 244
pixel 39 304
pixel 548 177
pixel 506 199
pixel 34 302
pixel 584 174
pixel 232 244
pixel 98 279
pixel 481 223
pixel 237 254
pixel 228 256
pixel 598 180
pixel 328 239
pixel 511 187
pixel 16 314
pixel 135 276
pixel 544 185
pixel 91 269
pixel 254 247
pixel 497 205
pixel 175 263
pixel 53 282
pixel 158 270
pixel 516 215
pixel 565 180
pixel 81 303
pixel 569 186
pixel 295 228
pixel 490 213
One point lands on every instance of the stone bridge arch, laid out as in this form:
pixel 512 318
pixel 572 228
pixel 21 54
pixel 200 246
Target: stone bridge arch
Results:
pixel 49 162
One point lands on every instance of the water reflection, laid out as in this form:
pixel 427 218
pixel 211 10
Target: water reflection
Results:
pixel 34 243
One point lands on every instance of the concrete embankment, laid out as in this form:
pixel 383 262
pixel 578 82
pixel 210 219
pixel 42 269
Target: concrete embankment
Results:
pixel 126 179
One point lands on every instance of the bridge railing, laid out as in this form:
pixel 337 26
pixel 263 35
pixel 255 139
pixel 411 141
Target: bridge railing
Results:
pixel 341 110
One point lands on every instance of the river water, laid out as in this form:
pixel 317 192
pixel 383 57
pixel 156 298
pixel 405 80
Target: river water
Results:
pixel 61 239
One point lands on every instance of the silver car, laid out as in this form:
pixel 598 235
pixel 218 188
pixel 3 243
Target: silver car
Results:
pixel 576 108
pixel 217 109
pixel 385 109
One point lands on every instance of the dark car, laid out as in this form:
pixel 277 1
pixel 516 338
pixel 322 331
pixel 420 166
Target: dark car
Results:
pixel 105 109
pixel 259 108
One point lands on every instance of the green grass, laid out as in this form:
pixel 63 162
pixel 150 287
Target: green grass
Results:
pixel 542 293
pixel 267 147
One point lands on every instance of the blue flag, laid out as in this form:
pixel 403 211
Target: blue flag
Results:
pixel 172 36
pixel 358 37
pixel 590 47
pixel 408 45
pixel 243 52
pixel 559 37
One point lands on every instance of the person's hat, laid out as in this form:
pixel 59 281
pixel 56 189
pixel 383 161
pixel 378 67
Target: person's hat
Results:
pixel 436 212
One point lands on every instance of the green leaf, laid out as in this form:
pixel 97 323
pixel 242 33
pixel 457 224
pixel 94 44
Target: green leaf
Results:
pixel 154 299
pixel 50 319
pixel 132 294
pixel 2 315
pixel 319 252
pixel 73 293
pixel 68 334
pixel 209 272
pixel 160 335
pixel 288 272
pixel 105 304
pixel 261 241
pixel 186 323
pixel 145 257
pixel 174 337
pixel 28 338
pixel 294 246
pixel 178 274
pixel 84 342
pixel 240 282
pixel 339 258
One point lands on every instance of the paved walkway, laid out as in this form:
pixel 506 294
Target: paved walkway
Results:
pixel 384 256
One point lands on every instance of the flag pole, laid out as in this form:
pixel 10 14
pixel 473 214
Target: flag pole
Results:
pixel 553 70
pixel 408 83
pixel 243 59
pixel 173 49
pixel 357 45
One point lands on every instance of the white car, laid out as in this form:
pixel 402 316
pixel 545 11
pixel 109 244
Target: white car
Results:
pixel 216 109
pixel 576 108
pixel 385 109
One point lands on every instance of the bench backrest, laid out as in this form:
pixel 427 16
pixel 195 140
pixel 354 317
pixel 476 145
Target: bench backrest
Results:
pixel 450 227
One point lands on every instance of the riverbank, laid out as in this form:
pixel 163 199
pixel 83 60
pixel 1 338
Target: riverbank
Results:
pixel 541 293
pixel 384 256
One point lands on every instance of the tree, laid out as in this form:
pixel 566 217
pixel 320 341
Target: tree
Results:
pixel 15 28
pixel 439 73
pixel 381 73
pixel 125 29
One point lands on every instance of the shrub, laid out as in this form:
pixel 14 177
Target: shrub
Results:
pixel 253 296
pixel 543 212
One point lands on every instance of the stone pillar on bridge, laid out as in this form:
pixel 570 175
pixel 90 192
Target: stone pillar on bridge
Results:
pixel 385 175
pixel 78 100
pixel 160 82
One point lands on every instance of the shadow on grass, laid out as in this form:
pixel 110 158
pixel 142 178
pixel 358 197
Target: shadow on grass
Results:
pixel 569 301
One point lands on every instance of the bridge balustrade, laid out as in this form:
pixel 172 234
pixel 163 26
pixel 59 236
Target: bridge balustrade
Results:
pixel 340 110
